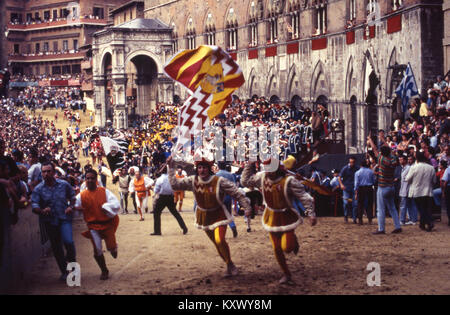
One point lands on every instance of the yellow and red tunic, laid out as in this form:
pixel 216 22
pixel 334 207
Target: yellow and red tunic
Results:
pixel 210 212
pixel 279 215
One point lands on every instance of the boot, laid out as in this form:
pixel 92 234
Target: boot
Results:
pixel 101 263
pixel 114 253
pixel 70 256
pixel 235 232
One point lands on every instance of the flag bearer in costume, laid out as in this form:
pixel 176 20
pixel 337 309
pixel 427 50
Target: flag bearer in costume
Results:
pixel 279 218
pixel 211 216
pixel 100 208
pixel 141 186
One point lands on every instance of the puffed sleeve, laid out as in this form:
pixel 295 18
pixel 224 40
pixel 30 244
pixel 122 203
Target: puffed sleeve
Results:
pixel 297 190
pixel 179 184
pixel 229 188
pixel 249 177
pixel 112 201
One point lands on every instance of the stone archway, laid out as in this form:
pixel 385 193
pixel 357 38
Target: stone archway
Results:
pixel 138 49
pixel 142 75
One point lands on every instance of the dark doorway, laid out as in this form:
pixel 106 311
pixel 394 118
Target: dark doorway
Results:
pixel 176 100
pixel 321 100
pixel 296 101
pixel 274 99
pixel 107 70
pixel 372 100
pixel 354 117
pixel 147 84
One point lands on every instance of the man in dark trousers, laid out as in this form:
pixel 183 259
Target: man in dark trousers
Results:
pixel 347 182
pixel 164 197
pixel 364 181
pixel 53 200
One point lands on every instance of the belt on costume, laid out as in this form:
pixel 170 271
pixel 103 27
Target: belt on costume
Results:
pixel 141 191
pixel 276 210
pixel 100 222
pixel 211 209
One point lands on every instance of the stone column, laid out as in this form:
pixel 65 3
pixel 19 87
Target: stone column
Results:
pixel 99 101
pixel 120 115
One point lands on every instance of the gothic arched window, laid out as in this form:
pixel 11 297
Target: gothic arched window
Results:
pixel 190 34
pixel 231 30
pixel 210 30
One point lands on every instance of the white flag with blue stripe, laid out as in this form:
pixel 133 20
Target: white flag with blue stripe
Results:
pixel 407 88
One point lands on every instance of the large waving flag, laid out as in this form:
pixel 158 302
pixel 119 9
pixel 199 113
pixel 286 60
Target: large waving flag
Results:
pixel 407 88
pixel 115 147
pixel 212 76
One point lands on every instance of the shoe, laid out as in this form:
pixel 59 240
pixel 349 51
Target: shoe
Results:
pixel 410 223
pixel 235 232
pixel 231 271
pixel 370 221
pixel 402 223
pixel 185 230
pixel 141 219
pixel 360 221
pixel 430 227
pixel 286 280
pixel 114 254
pixel 378 232
pixel 345 219
pixel 63 277
pixel 135 211
pixel 355 222
pixel 104 275
pixel 396 231
pixel 422 226
pixel 249 230
pixel 155 233
pixel 146 210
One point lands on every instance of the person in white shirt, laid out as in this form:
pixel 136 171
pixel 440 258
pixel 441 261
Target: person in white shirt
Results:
pixel 421 177
pixel 164 198
pixel 141 186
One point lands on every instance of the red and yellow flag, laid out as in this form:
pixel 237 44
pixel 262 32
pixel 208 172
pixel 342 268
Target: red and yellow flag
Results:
pixel 207 71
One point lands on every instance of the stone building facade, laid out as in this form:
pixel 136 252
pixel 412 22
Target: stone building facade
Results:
pixel 45 36
pixel 318 51
pixel 347 54
pixel 446 40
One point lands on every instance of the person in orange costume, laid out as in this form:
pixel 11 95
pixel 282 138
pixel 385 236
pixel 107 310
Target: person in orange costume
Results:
pixel 141 186
pixel 211 215
pixel 279 218
pixel 100 208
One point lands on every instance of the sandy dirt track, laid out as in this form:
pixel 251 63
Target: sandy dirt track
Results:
pixel 332 260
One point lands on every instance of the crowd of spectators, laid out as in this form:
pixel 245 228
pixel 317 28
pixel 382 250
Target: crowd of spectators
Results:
pixel 47 97
pixel 44 77
pixel 401 159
